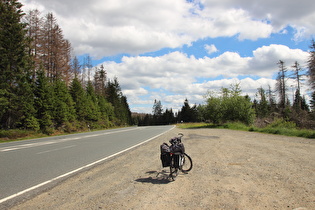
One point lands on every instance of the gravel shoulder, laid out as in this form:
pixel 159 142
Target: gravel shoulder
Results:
pixel 232 170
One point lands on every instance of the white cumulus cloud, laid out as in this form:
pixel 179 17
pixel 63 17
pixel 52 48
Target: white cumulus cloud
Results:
pixel 104 28
pixel 176 76
pixel 211 49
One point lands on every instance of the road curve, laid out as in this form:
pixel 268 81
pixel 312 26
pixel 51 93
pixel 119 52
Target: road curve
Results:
pixel 30 164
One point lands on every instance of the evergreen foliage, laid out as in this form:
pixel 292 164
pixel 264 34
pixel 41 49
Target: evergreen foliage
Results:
pixel 119 101
pixel 44 102
pixel 311 64
pixel 63 110
pixel 262 108
pixel 14 66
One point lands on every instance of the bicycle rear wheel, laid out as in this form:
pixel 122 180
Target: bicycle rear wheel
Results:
pixel 187 163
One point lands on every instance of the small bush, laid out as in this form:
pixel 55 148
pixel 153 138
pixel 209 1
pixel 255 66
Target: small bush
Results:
pixel 281 123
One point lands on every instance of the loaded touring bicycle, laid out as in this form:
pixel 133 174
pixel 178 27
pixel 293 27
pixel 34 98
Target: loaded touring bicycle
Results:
pixel 174 157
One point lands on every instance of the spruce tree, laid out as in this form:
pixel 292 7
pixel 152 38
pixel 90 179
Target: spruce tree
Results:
pixel 119 102
pixel 311 65
pixel 100 81
pixel 281 85
pixel 113 96
pixel 76 67
pixel 106 111
pixel 311 73
pixel 35 34
pixel 15 66
pixel 186 113
pixel 79 99
pixel 63 110
pixel 92 100
pixel 262 109
pixel 312 102
pixel 157 111
pixel 44 101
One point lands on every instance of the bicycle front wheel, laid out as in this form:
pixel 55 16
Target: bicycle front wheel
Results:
pixel 187 163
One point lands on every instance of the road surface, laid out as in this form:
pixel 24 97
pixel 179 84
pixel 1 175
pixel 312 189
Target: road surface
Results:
pixel 30 164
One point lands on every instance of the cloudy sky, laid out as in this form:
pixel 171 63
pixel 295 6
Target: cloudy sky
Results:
pixel 171 50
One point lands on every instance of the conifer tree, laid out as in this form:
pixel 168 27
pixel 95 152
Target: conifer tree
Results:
pixel 157 108
pixel 311 65
pixel 106 111
pixel 271 100
pixel 44 101
pixel 126 110
pixel 35 34
pixel 113 94
pixel 63 110
pixel 281 86
pixel 311 73
pixel 79 99
pixel 76 67
pixel 15 64
pixel 119 102
pixel 186 113
pixel 262 109
pixel 312 102
pixel 92 100
pixel 100 81
pixel 297 103
pixel 55 51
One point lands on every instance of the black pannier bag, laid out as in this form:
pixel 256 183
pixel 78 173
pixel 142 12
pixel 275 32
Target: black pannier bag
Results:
pixel 177 148
pixel 165 155
pixel 166 159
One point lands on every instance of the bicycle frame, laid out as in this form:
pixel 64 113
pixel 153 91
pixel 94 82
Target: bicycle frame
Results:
pixel 178 160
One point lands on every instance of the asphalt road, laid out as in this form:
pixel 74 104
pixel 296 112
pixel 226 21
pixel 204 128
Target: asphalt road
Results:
pixel 28 165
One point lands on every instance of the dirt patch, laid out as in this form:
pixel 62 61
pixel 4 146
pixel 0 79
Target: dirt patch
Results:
pixel 232 170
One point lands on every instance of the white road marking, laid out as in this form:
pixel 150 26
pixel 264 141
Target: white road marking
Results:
pixel 52 150
pixel 77 170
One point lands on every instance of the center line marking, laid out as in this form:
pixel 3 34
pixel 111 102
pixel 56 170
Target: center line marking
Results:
pixel 24 146
pixel 52 150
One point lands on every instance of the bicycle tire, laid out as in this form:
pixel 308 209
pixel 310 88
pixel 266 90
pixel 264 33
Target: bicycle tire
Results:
pixel 187 163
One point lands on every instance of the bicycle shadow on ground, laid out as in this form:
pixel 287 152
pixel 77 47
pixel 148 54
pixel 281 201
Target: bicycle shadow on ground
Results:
pixel 157 178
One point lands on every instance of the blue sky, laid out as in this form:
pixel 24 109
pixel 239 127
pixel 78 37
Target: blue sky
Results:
pixel 173 50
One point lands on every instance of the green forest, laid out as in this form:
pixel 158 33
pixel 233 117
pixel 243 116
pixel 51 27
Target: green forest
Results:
pixel 45 89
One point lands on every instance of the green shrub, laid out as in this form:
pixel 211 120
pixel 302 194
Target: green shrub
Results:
pixel 281 123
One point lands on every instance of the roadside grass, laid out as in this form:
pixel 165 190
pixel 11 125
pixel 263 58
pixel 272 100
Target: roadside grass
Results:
pixel 278 127
pixel 17 135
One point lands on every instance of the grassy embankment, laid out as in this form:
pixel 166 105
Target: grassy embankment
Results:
pixel 279 127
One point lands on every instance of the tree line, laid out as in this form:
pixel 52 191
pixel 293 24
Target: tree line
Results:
pixel 229 105
pixel 42 87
